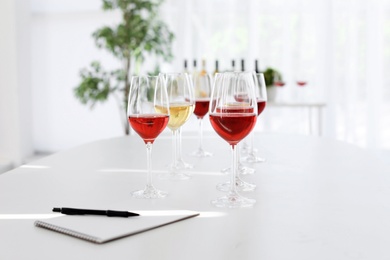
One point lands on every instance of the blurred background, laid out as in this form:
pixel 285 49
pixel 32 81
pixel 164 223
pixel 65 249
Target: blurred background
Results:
pixel 339 48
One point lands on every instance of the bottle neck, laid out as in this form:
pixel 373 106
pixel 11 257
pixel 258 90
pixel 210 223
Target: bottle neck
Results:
pixel 185 66
pixel 203 71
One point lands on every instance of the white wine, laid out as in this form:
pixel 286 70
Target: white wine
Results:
pixel 179 114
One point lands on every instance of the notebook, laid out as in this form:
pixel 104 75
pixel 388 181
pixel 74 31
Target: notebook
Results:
pixel 102 229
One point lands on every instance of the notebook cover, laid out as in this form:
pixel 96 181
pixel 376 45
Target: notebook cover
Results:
pixel 102 229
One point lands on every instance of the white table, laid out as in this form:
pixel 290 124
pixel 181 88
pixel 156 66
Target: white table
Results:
pixel 316 199
pixel 313 108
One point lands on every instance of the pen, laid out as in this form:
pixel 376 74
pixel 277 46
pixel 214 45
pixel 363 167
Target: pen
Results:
pixel 109 213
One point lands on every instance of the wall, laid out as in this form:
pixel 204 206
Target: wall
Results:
pixel 15 92
pixel 62 45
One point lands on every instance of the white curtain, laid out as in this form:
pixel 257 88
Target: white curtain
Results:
pixel 340 47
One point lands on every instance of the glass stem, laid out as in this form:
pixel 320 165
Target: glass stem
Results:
pixel 233 189
pixel 174 148
pixel 149 165
pixel 238 164
pixel 179 144
pixel 200 133
pixel 251 152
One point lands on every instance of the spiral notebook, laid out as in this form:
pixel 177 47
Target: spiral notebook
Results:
pixel 102 229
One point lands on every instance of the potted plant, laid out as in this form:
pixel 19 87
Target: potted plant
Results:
pixel 273 79
pixel 140 32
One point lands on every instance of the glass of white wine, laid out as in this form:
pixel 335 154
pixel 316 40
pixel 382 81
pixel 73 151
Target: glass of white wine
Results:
pixel 181 106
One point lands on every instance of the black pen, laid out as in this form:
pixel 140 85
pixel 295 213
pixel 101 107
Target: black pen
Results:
pixel 109 213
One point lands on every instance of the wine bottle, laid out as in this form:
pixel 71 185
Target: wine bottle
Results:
pixel 233 65
pixel 185 66
pixel 194 70
pixel 216 67
pixel 203 71
pixel 257 67
pixel 242 65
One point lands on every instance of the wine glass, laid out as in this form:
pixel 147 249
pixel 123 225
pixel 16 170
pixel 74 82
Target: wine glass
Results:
pixel 261 97
pixel 146 94
pixel 181 106
pixel 241 185
pixel 202 91
pixel 233 119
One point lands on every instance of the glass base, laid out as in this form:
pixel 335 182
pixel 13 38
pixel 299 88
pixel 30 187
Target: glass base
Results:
pixel 233 201
pixel 240 186
pixel 201 153
pixel 174 176
pixel 149 193
pixel 251 158
pixel 180 164
pixel 246 149
pixel 242 170
pixel 183 165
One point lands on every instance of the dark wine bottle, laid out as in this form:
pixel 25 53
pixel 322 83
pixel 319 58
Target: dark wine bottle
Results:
pixel 185 66
pixel 242 65
pixel 216 67
pixel 257 67
pixel 233 65
pixel 195 72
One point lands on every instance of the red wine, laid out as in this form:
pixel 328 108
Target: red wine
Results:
pixel 233 127
pixel 241 97
pixel 235 108
pixel 301 83
pixel 148 126
pixel 260 106
pixel 201 107
pixel 279 83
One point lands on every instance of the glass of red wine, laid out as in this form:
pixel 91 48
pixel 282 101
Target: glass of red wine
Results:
pixel 233 119
pixel 261 98
pixel 301 83
pixel 145 96
pixel 202 91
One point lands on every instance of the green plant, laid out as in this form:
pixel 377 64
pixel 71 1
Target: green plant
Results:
pixel 140 32
pixel 271 76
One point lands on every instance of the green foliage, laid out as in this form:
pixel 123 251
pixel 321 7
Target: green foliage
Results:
pixel 95 85
pixel 140 32
pixel 271 75
pixel 155 72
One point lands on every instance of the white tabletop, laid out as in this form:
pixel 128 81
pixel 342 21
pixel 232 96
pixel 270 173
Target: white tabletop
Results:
pixel 316 199
pixel 317 104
